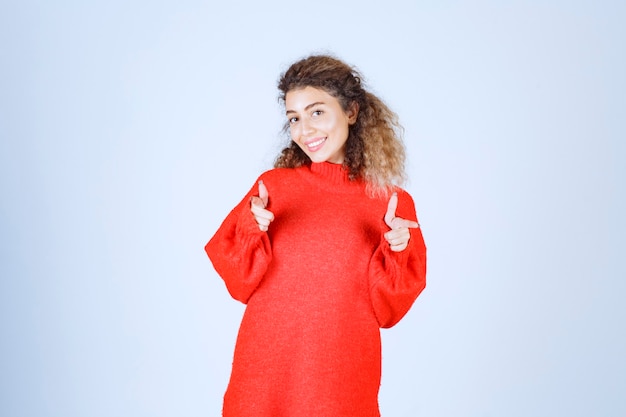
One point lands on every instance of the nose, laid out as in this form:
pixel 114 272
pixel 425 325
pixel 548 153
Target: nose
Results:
pixel 306 126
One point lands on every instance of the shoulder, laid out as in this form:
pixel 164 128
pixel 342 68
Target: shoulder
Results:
pixel 385 194
pixel 282 177
pixel 406 204
pixel 279 174
pixel 403 194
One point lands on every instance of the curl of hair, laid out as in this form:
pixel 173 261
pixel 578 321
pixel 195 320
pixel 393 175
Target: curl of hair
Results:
pixel 374 149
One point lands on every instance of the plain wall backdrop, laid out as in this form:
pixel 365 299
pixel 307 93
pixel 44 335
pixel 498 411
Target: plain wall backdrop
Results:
pixel 129 130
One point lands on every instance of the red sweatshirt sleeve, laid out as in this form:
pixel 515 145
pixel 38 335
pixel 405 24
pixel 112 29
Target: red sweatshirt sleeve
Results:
pixel 240 251
pixel 397 278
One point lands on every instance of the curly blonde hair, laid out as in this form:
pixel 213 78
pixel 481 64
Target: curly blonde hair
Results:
pixel 374 149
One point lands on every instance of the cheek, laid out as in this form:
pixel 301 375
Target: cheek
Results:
pixel 293 132
pixel 341 126
pixel 294 136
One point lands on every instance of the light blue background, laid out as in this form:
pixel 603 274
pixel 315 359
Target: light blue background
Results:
pixel 129 129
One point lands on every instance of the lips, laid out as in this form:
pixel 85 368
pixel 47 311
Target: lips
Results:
pixel 315 144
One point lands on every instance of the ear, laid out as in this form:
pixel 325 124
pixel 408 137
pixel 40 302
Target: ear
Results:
pixel 353 112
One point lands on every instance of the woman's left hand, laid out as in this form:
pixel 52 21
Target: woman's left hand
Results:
pixel 399 235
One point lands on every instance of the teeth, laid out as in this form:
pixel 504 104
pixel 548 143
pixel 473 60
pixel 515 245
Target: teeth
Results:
pixel 318 142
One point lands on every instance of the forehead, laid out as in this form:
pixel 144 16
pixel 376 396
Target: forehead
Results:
pixel 300 98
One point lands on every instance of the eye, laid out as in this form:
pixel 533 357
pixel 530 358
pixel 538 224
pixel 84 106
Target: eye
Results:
pixel 317 113
pixel 292 120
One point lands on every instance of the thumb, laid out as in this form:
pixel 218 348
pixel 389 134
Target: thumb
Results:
pixel 263 194
pixel 391 210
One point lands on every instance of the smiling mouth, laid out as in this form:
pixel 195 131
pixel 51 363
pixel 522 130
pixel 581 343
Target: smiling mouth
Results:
pixel 313 145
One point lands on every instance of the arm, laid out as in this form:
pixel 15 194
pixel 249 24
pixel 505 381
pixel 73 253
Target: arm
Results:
pixel 240 251
pixel 397 277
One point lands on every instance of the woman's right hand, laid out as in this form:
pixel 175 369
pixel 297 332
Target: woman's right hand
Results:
pixel 258 206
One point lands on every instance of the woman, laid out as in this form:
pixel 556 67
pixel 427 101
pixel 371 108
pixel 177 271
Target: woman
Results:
pixel 325 250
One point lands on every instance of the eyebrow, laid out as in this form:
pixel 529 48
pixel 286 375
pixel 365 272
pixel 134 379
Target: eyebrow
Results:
pixel 307 107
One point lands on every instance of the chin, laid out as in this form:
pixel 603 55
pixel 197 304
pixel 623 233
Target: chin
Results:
pixel 317 159
pixel 322 158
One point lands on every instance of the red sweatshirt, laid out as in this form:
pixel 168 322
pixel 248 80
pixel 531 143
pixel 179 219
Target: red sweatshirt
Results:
pixel 318 286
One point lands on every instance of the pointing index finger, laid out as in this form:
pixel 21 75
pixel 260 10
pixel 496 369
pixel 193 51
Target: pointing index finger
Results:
pixel 263 193
pixel 391 209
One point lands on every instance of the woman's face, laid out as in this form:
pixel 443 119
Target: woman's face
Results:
pixel 318 124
